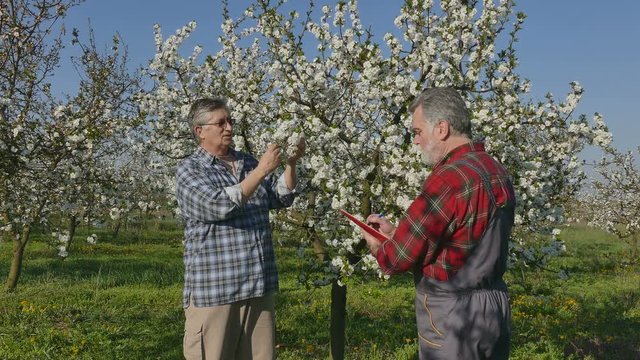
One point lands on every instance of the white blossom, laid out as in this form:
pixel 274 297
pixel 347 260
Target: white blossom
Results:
pixel 348 98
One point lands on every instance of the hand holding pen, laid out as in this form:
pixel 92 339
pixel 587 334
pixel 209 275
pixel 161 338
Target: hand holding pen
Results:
pixel 380 223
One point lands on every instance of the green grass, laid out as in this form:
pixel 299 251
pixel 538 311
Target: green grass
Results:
pixel 121 299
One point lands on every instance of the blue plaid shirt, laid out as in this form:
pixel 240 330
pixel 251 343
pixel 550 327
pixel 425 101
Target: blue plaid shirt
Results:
pixel 228 250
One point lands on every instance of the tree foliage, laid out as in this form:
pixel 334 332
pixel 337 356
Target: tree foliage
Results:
pixel 614 197
pixel 60 156
pixel 324 74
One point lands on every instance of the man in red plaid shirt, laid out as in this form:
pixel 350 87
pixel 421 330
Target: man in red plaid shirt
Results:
pixel 454 236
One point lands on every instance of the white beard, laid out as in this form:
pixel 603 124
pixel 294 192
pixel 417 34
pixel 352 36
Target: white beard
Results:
pixel 429 155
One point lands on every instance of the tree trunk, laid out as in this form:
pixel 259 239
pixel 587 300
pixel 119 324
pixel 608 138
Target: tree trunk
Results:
pixel 87 216
pixel 338 296
pixel 365 210
pixel 73 224
pixel 16 261
pixel 116 231
pixel 339 293
pixel 338 320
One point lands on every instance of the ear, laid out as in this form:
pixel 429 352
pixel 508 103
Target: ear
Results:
pixel 443 130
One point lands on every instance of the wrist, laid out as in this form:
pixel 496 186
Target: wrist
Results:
pixel 373 247
pixel 260 172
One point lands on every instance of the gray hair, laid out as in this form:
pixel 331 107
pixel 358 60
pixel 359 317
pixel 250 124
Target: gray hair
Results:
pixel 198 114
pixel 446 104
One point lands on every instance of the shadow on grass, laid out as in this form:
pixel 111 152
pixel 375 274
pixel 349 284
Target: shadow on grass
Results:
pixel 107 272
pixel 604 331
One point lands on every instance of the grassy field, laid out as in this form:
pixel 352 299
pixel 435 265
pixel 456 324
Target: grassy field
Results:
pixel 120 299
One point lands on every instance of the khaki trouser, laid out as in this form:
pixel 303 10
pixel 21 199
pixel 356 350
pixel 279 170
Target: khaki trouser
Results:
pixel 241 330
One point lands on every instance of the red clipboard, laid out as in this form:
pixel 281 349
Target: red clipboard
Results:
pixel 378 235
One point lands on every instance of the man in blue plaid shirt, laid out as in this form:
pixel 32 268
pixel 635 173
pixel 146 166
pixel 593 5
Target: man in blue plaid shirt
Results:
pixel 230 271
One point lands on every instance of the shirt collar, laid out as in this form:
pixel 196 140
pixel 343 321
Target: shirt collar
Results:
pixel 460 151
pixel 210 159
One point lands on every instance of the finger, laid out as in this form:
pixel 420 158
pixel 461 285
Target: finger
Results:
pixel 370 239
pixel 374 219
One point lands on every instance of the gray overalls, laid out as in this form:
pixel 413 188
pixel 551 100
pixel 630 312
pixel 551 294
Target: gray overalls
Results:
pixel 468 317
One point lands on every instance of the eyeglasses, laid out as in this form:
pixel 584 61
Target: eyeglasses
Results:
pixel 222 123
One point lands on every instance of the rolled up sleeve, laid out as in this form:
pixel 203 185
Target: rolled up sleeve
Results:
pixel 280 194
pixel 201 201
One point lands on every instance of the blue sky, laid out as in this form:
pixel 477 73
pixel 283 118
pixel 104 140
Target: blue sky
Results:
pixel 592 42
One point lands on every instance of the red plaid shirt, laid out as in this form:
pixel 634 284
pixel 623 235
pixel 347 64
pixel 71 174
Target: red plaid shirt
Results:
pixel 449 216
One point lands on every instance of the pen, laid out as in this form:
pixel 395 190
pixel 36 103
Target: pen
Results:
pixel 381 215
